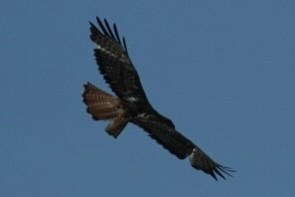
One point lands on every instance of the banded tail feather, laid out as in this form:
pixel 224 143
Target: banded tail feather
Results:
pixel 103 106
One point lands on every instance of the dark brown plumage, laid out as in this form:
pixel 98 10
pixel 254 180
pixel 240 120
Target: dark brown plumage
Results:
pixel 131 103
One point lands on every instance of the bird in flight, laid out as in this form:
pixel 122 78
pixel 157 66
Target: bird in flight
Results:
pixel 131 105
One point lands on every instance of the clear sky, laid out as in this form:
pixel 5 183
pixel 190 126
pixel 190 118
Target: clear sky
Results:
pixel 223 71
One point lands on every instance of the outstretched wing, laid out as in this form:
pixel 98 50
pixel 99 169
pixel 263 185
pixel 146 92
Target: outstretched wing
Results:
pixel 114 63
pixel 180 146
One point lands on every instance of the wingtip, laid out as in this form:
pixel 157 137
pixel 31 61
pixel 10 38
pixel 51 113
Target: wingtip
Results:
pixel 221 171
pixel 200 161
pixel 104 29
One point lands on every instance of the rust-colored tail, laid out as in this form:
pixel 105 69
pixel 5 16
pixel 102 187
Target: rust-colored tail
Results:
pixel 103 106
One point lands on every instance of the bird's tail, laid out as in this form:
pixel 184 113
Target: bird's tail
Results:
pixel 103 106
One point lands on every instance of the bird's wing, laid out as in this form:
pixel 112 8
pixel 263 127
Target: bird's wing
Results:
pixel 114 63
pixel 165 134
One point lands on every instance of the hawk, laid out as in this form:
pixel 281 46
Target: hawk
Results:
pixel 131 105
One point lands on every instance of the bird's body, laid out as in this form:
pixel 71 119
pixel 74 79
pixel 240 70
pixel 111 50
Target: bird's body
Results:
pixel 131 104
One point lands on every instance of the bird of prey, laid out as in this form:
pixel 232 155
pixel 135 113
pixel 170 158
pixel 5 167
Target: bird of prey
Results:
pixel 131 105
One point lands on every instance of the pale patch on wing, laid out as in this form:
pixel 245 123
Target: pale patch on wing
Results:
pixel 192 156
pixel 132 99
pixel 142 115
pixel 115 56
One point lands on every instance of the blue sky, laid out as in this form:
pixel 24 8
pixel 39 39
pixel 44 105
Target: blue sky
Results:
pixel 223 71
